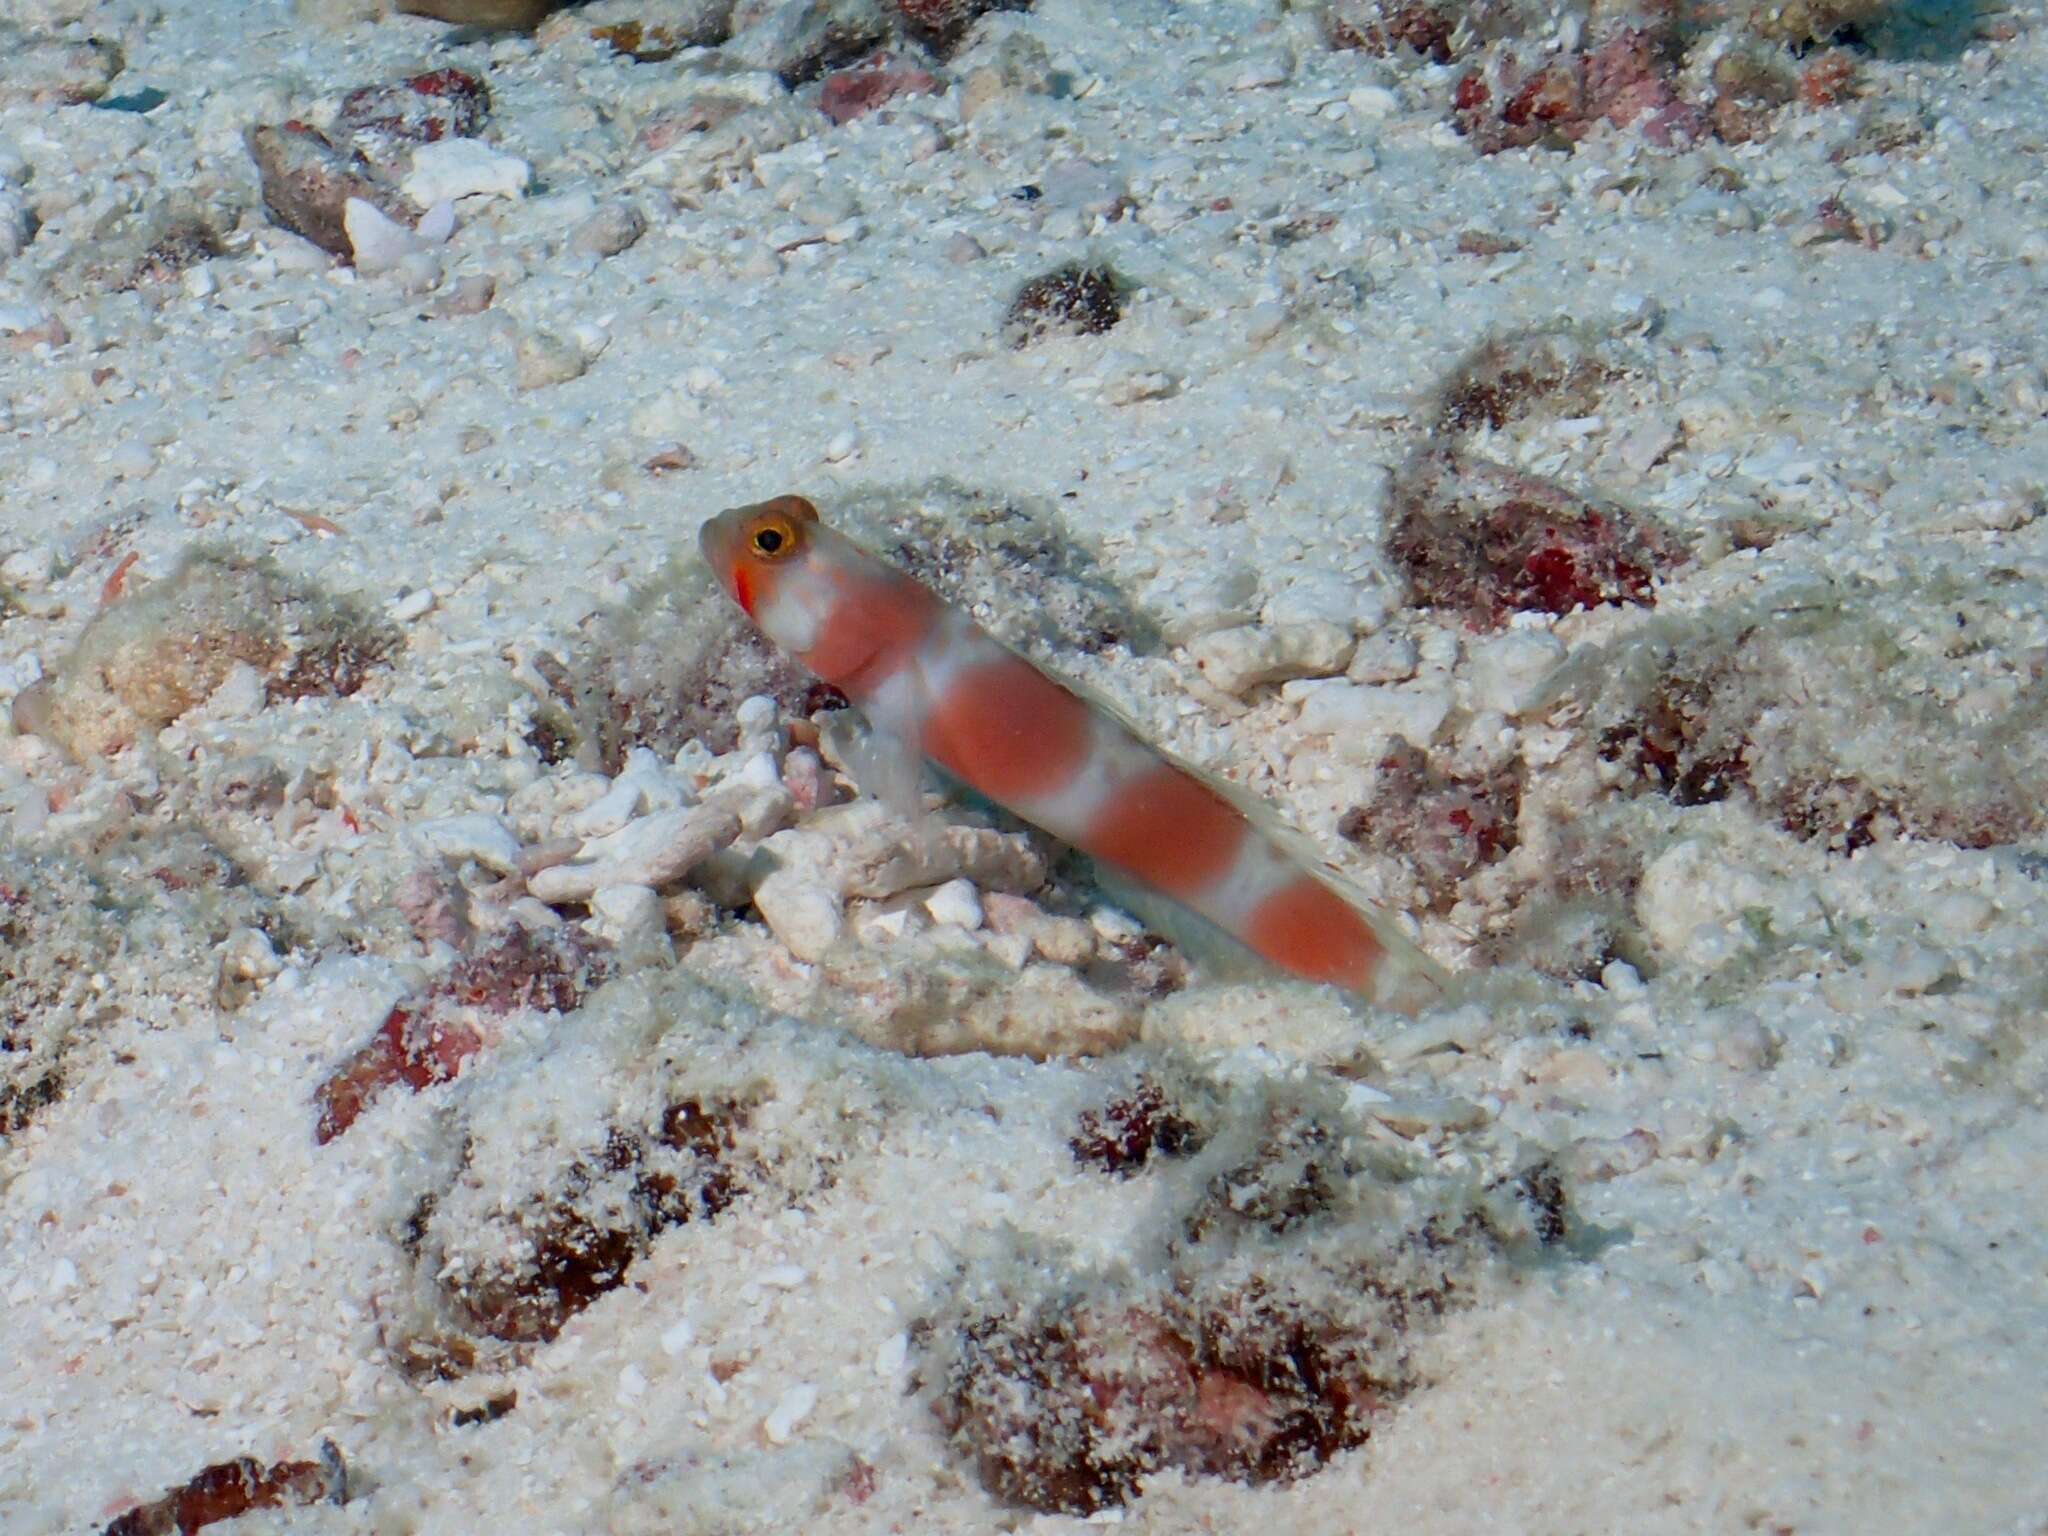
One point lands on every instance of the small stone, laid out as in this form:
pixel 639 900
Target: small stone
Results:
pixel 471 295
pixel 1746 1046
pixel 29 569
pixel 613 228
pixel 240 696
pixel 891 1355
pixel 1361 719
pixel 377 242
pixel 852 93
pixel 1239 660
pixel 1082 186
pixel 1423 1116
pixel 798 40
pixel 494 15
pixel 1690 900
pixel 416 604
pixel 1387 657
pixel 17 223
pixel 131 459
pixel 307 184
pixel 963 248
pixel 1070 300
pixel 440 104
pixel 808 919
pixel 629 915
pixel 486 839
pixel 1373 101
pixel 1597 1159
pixel 956 903
pixel 452 169
pixel 652 851
pixel 542 359
pixel 54 71
pixel 1511 672
pixel 791 1409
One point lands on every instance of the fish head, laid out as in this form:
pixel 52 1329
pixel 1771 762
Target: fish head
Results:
pixel 754 549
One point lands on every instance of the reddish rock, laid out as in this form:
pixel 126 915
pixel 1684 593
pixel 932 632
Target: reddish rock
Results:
pixel 853 93
pixel 307 182
pixel 426 1041
pixel 440 104
pixel 231 1488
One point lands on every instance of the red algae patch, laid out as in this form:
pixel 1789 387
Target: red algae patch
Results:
pixel 230 1488
pixel 426 1041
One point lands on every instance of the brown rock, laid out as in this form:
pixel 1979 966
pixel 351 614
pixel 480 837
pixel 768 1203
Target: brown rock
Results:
pixel 308 181
pixel 54 70
pixel 498 15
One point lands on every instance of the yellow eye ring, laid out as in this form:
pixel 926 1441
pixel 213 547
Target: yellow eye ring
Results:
pixel 773 537
pixel 777 531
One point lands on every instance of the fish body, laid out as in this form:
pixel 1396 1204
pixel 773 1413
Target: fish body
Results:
pixel 926 675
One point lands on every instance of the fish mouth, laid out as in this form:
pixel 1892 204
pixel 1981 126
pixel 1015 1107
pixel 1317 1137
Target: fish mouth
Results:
pixel 714 543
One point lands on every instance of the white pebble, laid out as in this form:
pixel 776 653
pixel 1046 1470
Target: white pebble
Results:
pixel 1264 322
pixel 30 569
pixel 891 1354
pixel 1746 1046
pixel 807 918
pixel 652 851
pixel 1239 660
pixel 629 915
pixel 1511 672
pixel 842 447
pixel 416 604
pixel 1596 1159
pixel 760 771
pixel 1689 900
pixel 240 696
pixel 791 1409
pixel 1373 101
pixel 1621 979
pixel 1387 657
pixel 678 1337
pixel 379 241
pixel 1359 720
pixel 131 459
pixel 450 169
pixel 957 903
pixel 487 839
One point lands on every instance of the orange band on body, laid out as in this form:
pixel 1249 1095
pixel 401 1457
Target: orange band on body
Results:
pixel 1008 729
pixel 1168 828
pixel 1307 928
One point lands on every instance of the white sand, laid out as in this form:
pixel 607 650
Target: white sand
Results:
pixel 1819 1306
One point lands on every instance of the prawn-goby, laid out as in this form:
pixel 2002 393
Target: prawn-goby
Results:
pixel 928 677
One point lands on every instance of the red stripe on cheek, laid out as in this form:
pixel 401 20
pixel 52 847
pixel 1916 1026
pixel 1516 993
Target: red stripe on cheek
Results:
pixel 1307 928
pixel 874 625
pixel 1009 730
pixel 1170 828
pixel 743 589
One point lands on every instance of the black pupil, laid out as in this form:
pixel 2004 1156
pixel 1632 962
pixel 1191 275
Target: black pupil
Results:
pixel 768 540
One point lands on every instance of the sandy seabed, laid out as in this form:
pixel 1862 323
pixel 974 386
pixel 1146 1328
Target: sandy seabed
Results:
pixel 366 1114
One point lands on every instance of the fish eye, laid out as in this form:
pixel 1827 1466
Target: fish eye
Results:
pixel 774 536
